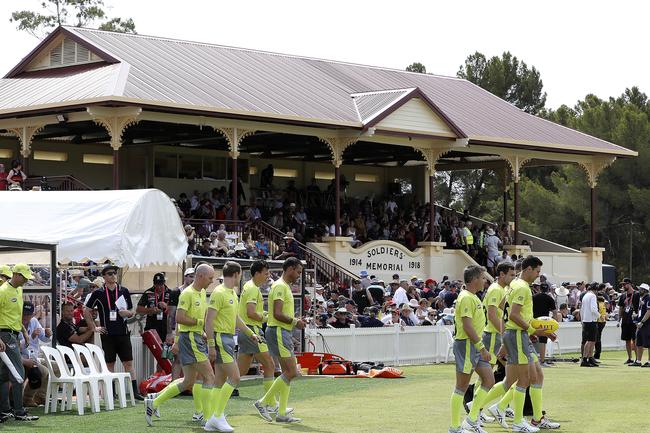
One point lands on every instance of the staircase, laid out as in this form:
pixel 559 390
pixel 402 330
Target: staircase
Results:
pixel 55 183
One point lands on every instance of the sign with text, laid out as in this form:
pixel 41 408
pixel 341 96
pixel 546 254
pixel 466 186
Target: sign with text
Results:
pixel 383 259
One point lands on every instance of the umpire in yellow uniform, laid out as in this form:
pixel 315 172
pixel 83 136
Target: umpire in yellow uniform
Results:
pixel 11 313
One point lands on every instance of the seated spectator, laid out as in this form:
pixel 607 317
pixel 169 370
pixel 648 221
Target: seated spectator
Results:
pixel 291 248
pixel 67 333
pixel 16 176
pixel 204 249
pixel 35 373
pixel 422 309
pixel 248 242
pixel 393 318
pixel 447 317
pixel 407 311
pixel 221 244
pixel 340 319
pixel 240 252
pixel 371 321
pixel 430 318
pixel 262 246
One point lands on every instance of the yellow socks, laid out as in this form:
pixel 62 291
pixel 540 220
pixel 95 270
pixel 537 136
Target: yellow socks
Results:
pixel 477 404
pixel 507 397
pixel 170 391
pixel 197 397
pixel 497 391
pixel 269 397
pixel 284 396
pixel 536 399
pixel 222 400
pixel 518 398
pixel 456 407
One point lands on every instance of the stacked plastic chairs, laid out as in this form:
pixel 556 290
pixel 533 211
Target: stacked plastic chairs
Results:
pixel 68 375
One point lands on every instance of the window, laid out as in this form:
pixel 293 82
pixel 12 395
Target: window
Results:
pixel 405 185
pixel 252 170
pixel 44 155
pixel 97 158
pixel 166 165
pixel 324 175
pixel 6 153
pixel 364 177
pixel 214 167
pixel 190 167
pixel 285 172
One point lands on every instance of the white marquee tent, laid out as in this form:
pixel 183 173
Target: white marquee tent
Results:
pixel 134 228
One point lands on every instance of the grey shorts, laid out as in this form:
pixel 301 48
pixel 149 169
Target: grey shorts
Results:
pixel 13 353
pixel 225 348
pixel 279 342
pixel 248 345
pixel 192 348
pixel 492 342
pixel 467 357
pixel 519 347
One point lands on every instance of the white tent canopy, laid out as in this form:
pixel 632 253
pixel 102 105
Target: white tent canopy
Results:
pixel 133 228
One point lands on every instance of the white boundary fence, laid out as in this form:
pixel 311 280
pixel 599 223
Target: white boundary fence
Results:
pixel 394 346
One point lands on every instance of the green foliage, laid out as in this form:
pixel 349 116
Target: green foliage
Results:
pixel 78 13
pixel 417 67
pixel 508 78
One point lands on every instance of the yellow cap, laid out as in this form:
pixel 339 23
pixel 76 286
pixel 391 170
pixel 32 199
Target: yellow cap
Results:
pixel 23 269
pixel 6 271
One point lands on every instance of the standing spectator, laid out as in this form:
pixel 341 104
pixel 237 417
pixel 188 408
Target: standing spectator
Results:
pixel 16 176
pixel 628 305
pixel 602 319
pixel 361 296
pixel 67 333
pixel 154 303
pixel 11 311
pixel 365 280
pixel 492 244
pixel 266 178
pixel 400 297
pixel 589 316
pixel 543 305
pixel 117 339
pixel 643 327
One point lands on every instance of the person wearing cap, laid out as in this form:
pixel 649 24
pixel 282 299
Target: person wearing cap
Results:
pixel 80 283
pixel 364 279
pixel 11 312
pixel 340 319
pixel 5 273
pixel 470 353
pixel 361 295
pixel 291 248
pixel 116 341
pixel 589 315
pixel 154 304
pixel 372 321
pixel 34 388
pixel 628 306
pixel 278 335
pixel 643 327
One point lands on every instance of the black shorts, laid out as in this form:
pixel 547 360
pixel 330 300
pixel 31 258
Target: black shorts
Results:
pixel 643 336
pixel 589 331
pixel 628 331
pixel 117 345
pixel 542 340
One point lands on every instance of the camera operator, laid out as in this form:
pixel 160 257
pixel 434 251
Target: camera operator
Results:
pixel 154 303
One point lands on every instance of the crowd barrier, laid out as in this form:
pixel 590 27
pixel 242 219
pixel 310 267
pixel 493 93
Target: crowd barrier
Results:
pixel 395 345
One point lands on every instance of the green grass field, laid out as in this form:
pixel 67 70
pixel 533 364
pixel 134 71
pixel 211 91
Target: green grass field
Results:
pixel 610 399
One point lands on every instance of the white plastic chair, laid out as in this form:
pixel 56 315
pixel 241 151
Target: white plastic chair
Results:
pixel 82 353
pixel 65 379
pixel 123 379
pixel 78 373
pixel 450 344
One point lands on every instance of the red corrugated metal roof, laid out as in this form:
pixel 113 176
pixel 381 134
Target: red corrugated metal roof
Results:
pixel 261 83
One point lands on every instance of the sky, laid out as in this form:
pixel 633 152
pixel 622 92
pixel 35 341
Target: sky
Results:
pixel 579 47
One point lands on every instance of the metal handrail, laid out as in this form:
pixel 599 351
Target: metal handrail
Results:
pixel 56 183
pixel 326 269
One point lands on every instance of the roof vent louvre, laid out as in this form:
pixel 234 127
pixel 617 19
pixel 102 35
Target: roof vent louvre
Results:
pixel 83 54
pixel 55 55
pixel 69 51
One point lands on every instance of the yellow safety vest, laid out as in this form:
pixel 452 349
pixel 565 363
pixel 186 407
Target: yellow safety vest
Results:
pixel 469 239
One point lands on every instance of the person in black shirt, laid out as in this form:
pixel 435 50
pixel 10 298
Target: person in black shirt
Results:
pixel 372 321
pixel 154 303
pixel 628 306
pixel 377 292
pixel 360 296
pixel 543 305
pixel 67 333
pixel 117 339
pixel 341 319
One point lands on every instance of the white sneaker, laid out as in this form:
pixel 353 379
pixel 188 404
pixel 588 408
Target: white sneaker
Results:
pixel 455 430
pixel 222 425
pixel 263 410
pixel 524 427
pixel 546 423
pixel 499 415
pixel 484 418
pixel 211 424
pixel 470 426
pixel 275 409
pixel 197 417
pixel 148 411
pixel 510 413
pixel 288 419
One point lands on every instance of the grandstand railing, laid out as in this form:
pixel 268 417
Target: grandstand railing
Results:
pixel 326 269
pixel 56 183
